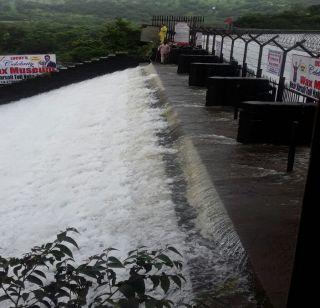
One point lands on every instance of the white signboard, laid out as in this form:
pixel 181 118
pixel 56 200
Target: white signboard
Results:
pixel 305 75
pixel 274 62
pixel 199 39
pixel 15 68
pixel 182 33
pixel 218 45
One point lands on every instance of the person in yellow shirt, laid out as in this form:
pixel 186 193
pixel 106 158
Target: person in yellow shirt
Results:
pixel 163 33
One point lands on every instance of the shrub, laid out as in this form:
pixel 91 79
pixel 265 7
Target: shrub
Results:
pixel 48 276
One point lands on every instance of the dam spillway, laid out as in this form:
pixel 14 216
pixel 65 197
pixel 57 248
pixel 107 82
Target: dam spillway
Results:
pixel 135 158
pixel 105 156
pixel 250 182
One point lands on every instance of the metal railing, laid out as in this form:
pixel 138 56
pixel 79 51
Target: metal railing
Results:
pixel 287 41
pixel 170 21
pixel 308 42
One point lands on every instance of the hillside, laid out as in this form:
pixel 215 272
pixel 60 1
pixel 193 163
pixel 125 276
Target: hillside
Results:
pixel 69 11
pixel 307 19
pixel 78 30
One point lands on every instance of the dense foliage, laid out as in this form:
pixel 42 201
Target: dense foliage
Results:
pixel 308 18
pixel 71 43
pixel 48 276
pixel 138 10
pixel 78 30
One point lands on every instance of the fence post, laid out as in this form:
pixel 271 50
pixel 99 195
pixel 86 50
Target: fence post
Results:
pixel 171 21
pixel 207 42
pixel 281 86
pixel 245 53
pixel 221 49
pixel 193 38
pixel 244 70
pixel 232 48
pixel 282 79
pixel 303 292
pixel 214 45
pixel 259 70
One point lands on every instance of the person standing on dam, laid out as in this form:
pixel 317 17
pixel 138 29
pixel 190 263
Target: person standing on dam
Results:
pixel 163 33
pixel 164 50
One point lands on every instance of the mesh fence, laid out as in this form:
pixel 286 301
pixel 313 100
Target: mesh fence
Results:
pixel 253 48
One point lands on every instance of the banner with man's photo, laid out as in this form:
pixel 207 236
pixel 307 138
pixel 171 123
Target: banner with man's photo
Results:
pixel 15 68
pixel 305 75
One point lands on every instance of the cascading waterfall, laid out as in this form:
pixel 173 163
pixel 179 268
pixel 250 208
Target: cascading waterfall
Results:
pixel 217 258
pixel 212 219
pixel 89 156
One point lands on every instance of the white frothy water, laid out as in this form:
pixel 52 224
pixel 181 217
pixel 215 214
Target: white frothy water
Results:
pixel 86 156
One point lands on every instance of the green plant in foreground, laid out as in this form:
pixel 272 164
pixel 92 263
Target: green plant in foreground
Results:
pixel 48 276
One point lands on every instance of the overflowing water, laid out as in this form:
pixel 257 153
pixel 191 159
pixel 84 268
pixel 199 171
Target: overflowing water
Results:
pixel 94 156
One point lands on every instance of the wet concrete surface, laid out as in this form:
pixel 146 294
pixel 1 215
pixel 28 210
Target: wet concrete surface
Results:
pixel 262 200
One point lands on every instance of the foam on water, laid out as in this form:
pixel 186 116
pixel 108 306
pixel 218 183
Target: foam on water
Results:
pixel 88 156
pixel 85 156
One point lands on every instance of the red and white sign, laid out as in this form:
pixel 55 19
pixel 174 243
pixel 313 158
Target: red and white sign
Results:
pixel 274 62
pixel 305 75
pixel 15 68
pixel 182 33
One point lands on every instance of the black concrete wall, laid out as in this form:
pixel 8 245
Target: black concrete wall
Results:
pixel 77 73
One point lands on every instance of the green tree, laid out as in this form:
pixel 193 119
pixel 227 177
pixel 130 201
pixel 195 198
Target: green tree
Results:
pixel 121 36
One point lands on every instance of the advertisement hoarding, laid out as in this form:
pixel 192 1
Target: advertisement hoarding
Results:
pixel 305 75
pixel 274 62
pixel 182 33
pixel 15 68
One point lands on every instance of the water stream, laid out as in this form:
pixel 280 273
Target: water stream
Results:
pixel 99 156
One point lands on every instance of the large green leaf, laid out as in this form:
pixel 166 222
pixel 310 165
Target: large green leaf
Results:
pixel 34 279
pixel 165 282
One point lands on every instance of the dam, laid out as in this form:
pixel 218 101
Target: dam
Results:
pixel 134 157
pixel 104 156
